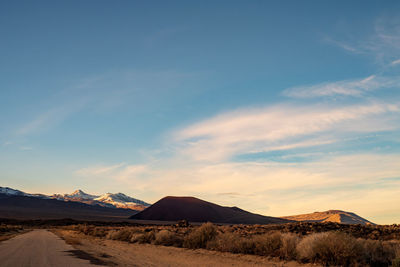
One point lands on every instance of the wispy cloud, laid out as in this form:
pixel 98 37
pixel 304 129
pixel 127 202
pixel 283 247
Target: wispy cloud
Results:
pixel 342 45
pixel 383 42
pixel 99 170
pixel 119 172
pixel 25 148
pixel 49 118
pixel 356 87
pixel 395 62
pixel 243 131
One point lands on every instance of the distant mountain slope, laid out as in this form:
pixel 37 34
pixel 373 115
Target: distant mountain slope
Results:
pixel 197 210
pixel 10 191
pixel 31 207
pixel 80 194
pixel 14 192
pixel 118 200
pixel 338 216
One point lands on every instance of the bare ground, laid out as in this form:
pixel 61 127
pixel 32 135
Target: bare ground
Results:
pixel 41 248
pixel 118 253
pixel 6 236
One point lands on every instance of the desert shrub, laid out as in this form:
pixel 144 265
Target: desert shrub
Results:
pixel 231 242
pixel 330 248
pixel 83 228
pixel 200 236
pixel 144 238
pixel 136 237
pixel 268 244
pixel 289 243
pixel 10 228
pixel 396 262
pixel 89 230
pixel 111 234
pixel 377 253
pixel 99 232
pixel 167 238
pixel 397 259
pixel 121 235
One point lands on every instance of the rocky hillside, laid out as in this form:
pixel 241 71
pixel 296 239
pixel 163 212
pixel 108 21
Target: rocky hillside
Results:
pixel 337 216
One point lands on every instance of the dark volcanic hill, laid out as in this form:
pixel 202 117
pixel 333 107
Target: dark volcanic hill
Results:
pixel 197 210
pixel 29 207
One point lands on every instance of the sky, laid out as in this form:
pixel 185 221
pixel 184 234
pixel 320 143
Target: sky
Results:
pixel 277 107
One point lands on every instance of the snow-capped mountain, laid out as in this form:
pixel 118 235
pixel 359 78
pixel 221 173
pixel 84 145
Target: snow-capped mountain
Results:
pixel 15 192
pixel 121 200
pixel 118 200
pixel 78 194
pixel 10 191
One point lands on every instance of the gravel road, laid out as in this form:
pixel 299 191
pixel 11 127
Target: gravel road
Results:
pixel 39 248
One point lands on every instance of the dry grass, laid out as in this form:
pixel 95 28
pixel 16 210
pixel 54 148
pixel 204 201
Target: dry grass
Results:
pixel 72 241
pixel 273 244
pixel 230 242
pixel 338 249
pixel 9 231
pixel 288 246
pixel 167 238
pixel 330 249
pixel 4 228
pixel 147 237
pixel 396 262
pixel 201 236
pixel 327 248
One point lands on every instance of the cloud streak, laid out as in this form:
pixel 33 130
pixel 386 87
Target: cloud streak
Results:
pixel 355 88
pixel 383 43
pixel 266 129
pixel 120 172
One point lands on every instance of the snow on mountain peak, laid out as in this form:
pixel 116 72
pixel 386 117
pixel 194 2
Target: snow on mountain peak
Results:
pixel 10 191
pixel 80 194
pixel 15 192
pixel 120 198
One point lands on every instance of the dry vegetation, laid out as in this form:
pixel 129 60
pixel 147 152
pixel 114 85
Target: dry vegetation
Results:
pixel 330 248
pixel 8 231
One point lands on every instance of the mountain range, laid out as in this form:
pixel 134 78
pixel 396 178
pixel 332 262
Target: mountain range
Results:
pixel 118 200
pixel 80 205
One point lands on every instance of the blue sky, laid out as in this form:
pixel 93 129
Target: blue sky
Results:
pixel 278 108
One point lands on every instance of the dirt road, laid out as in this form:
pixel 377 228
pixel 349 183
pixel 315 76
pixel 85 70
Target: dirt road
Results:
pixel 41 248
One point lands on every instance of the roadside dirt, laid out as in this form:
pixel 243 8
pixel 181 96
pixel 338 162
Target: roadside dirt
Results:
pixel 118 253
pixel 6 236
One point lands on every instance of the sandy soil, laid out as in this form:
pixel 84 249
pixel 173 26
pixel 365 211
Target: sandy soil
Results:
pixel 117 253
